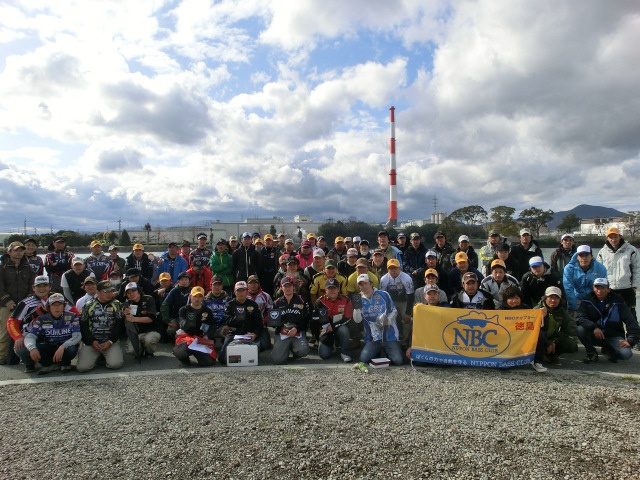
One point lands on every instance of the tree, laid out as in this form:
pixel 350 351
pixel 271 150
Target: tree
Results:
pixel 272 230
pixel 535 218
pixel 147 228
pixel 125 241
pixel 569 223
pixel 502 220
pixel 471 215
pixel 632 222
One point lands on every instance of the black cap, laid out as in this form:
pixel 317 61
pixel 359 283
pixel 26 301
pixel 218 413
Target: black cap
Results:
pixel 503 247
pixel 197 263
pixel 172 244
pixel 439 234
pixel 132 272
pixel 183 275
pixel 105 286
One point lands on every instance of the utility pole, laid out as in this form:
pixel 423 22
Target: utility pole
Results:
pixel 119 225
pixel 25 227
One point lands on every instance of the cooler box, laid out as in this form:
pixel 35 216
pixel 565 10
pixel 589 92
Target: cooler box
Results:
pixel 242 354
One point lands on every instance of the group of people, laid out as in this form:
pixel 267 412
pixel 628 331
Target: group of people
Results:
pixel 264 291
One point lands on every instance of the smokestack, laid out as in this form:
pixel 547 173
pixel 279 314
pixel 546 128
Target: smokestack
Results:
pixel 393 190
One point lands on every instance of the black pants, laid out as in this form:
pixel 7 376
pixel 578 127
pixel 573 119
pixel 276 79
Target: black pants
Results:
pixel 629 297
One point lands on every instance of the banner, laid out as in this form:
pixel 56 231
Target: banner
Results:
pixel 474 338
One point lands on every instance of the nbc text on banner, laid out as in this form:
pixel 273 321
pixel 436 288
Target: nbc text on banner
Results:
pixel 474 338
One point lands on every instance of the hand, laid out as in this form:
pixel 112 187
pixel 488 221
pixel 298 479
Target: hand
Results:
pixel 329 329
pixel 35 355
pixel 11 304
pixel 252 335
pixel 598 334
pixel 224 331
pixel 18 343
pixel 130 318
pixel 551 349
pixel 544 311
pixel 161 292
pixel 96 346
pixel 624 344
pixel 105 346
pixel 57 357
pixel 408 353
pixel 292 332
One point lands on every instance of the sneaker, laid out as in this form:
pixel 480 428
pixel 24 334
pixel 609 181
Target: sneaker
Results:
pixel 554 360
pixel 345 358
pixel 538 367
pixel 49 369
pixel 29 368
pixel 65 368
pixel 591 357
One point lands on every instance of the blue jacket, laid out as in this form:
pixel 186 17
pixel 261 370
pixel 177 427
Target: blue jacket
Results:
pixel 174 267
pixel 578 283
pixel 610 320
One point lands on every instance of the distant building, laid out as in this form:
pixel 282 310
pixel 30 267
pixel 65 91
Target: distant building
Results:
pixel 599 226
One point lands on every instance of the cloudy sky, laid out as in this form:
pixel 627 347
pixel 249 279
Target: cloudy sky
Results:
pixel 191 111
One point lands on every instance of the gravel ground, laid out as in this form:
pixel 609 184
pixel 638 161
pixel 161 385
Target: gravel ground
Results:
pixel 334 423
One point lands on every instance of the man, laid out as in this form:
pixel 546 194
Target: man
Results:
pixel 185 252
pixel 557 330
pixel 562 255
pixel 472 297
pixel 25 311
pixel 356 243
pixel 579 275
pixel 242 317
pixel 312 240
pixel 348 242
pixel 90 287
pixel 16 280
pixel 399 286
pixel 173 302
pixel 465 246
pixel 171 262
pixel 53 337
pixel 264 301
pixel 431 263
pixel 268 264
pixel 221 265
pixel 388 250
pixel 305 256
pixel 318 286
pixel 364 249
pixel 216 300
pixel 134 275
pixel 525 250
pixel 421 295
pixel 348 266
pixel 322 244
pixel 201 252
pixel 117 262
pixel 140 260
pixel 281 245
pixel 380 329
pixel 290 336
pixel 141 310
pixel 31 254
pixel 622 262
pixel 196 324
pixel 378 264
pixel 245 260
pixel 413 260
pixel 101 324
pixel 339 251
pixel 498 281
pixel 602 319
pixel 199 275
pixel 72 280
pixel 536 281
pixel 316 267
pixel 488 252
pixel 335 312
pixel 362 268
pixel 503 252
pixel 444 250
pixel 98 264
pixel 233 244
pixel 57 261
pixel 455 275
pixel 293 270
pixel 401 243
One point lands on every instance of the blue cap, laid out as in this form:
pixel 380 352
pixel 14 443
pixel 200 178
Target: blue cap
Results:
pixel 245 235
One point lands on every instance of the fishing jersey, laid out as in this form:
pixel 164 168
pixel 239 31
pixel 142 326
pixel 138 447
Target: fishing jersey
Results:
pixel 146 308
pixel 196 321
pixel 36 263
pixel 331 310
pixel 99 266
pixel 264 301
pixel 101 322
pixel 203 254
pixel 25 311
pixel 243 317
pixel 375 328
pixel 217 305
pixel 295 311
pixel 62 261
pixel 54 331
pixel 399 288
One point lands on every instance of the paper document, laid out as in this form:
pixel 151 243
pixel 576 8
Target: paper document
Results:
pixel 246 338
pixel 199 348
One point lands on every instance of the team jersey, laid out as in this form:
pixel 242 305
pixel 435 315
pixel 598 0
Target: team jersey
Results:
pixel 55 331
pixel 62 261
pixel 36 263
pixel 146 308
pixel 101 322
pixel 203 254
pixel 25 311
pixel 100 266
pixel 264 301
pixel 375 330
pixel 217 305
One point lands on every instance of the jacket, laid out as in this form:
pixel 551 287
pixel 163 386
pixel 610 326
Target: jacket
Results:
pixel 560 257
pixel 622 264
pixel 172 266
pixel 614 317
pixel 471 255
pixel 144 265
pixel 296 311
pixel 522 256
pixel 490 285
pixel 220 264
pixel 556 322
pixel 200 278
pixel 413 261
pixel 533 288
pixel 578 283
pixel 482 300
pixel 15 281
pixel 487 255
pixel 246 262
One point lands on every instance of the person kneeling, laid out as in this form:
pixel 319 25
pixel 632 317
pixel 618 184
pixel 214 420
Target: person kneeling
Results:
pixel 556 332
pixel 194 337
pixel 294 316
pixel 336 312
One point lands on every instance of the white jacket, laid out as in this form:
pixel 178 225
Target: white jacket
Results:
pixel 623 265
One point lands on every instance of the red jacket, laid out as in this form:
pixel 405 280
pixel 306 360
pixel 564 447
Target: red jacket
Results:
pixel 201 278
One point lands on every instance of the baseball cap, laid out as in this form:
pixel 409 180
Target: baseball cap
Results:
pixel 197 263
pixel 253 278
pixel 221 241
pixel 186 244
pixel 306 243
pixel 503 247
pixel 357 239
pixel 292 259
pixel 172 244
pixel 95 243
pixel 268 236
pixel 330 264
pixel 348 239
pixel 602 282
pixel 553 291
pixel 463 238
pixel 90 279
pixel 363 278
pixel 216 279
pixel 15 245
pixel 197 291
pixel 378 251
pixel 55 298
pixel 414 235
pixel 245 235
pixel 310 235
pixel 113 247
pixel 498 263
pixel 566 235
pixel 76 261
pixel 41 280
pixel 132 272
pixel 364 241
pixel 288 240
pixel 535 261
pixel 184 275
pixel 402 235
pixel 584 249
pixel 105 286
pixel 258 240
pixel 439 234
pixel 318 252
pixel 461 257
pixel 494 233
pixel 393 263
pixel 469 276
pixel 331 283
pixel 431 271
pixel 525 231
pixel 59 239
pixel 613 230
pixel 131 286
pixel 138 246
pixel 431 253
pixel 240 286
pixel 339 239
pixel 233 238
pixel 431 288
pixel 164 276
pixel 201 235
pixel 287 281
pixel 352 252
pixel 362 262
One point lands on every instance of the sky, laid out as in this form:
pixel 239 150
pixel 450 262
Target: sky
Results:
pixel 173 112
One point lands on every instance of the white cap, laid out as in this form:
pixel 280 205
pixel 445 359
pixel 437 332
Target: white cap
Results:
pixel 553 291
pixel 584 249
pixel 131 286
pixel 363 278
pixel 525 231
pixel 318 252
pixel 566 235
pixel 463 238
pixel 356 239
pixel 352 252
pixel 535 261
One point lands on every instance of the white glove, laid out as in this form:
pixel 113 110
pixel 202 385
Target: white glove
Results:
pixel 357 315
pixel 391 318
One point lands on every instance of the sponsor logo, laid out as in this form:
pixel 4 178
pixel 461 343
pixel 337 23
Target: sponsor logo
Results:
pixel 476 335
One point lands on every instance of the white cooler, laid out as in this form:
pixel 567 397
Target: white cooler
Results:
pixel 242 354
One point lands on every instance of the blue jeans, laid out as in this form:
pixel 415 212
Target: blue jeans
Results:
pixel 372 350
pixel 590 343
pixel 46 354
pixel 340 337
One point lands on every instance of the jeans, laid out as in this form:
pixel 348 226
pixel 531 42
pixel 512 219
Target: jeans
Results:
pixel 46 354
pixel 590 343
pixel 23 355
pixel 281 348
pixel 340 336
pixel 373 349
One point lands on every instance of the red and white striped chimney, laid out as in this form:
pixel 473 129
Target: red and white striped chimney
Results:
pixel 393 189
